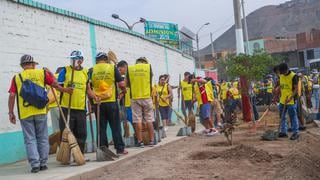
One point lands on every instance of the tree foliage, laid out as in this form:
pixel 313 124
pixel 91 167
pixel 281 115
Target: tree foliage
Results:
pixel 252 67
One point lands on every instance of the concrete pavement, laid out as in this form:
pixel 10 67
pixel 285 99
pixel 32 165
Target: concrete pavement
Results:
pixel 21 170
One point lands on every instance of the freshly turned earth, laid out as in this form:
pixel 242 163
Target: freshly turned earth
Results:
pixel 201 157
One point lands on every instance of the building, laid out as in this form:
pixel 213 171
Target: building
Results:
pixel 308 45
pixel 186 41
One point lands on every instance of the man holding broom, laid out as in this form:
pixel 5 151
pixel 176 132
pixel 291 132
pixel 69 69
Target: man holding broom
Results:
pixel 33 120
pixel 77 105
pixel 289 88
pixel 105 78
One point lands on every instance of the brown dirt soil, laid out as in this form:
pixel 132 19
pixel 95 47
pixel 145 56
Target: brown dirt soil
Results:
pixel 200 157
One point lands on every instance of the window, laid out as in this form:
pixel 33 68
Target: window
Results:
pixel 310 54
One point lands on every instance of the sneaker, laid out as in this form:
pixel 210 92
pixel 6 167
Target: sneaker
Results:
pixel 212 132
pixel 122 153
pixel 35 169
pixel 151 144
pixel 43 168
pixel 283 135
pixel 140 144
pixel 294 136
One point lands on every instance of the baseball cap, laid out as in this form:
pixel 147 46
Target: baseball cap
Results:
pixel 76 54
pixel 102 55
pixel 142 59
pixel 27 59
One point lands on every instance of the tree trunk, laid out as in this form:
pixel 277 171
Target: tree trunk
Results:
pixel 246 105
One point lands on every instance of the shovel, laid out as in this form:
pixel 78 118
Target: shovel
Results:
pixel 102 153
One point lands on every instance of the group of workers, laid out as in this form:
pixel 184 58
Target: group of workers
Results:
pixel 113 87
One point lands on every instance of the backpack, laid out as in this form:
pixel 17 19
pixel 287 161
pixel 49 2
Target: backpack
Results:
pixel 33 94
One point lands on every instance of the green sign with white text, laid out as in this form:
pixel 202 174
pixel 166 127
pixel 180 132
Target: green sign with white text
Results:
pixel 167 33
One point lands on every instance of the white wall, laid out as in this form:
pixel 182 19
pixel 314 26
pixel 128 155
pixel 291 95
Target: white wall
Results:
pixel 50 38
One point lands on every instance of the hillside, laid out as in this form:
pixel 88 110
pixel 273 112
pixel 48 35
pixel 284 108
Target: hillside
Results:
pixel 286 19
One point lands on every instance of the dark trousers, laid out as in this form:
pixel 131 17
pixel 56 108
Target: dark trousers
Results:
pixel 254 107
pixel 268 98
pixel 77 124
pixel 188 107
pixel 109 113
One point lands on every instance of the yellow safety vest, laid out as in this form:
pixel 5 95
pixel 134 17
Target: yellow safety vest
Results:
pixel 54 103
pixel 163 92
pixel 235 84
pixel 186 90
pixel 209 91
pixel 104 73
pixel 78 99
pixel 127 99
pixel 269 87
pixel 140 81
pixel 286 87
pixel 224 89
pixel 235 93
pixel 37 76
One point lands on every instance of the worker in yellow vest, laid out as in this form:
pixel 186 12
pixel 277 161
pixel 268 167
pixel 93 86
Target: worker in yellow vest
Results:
pixel 164 92
pixel 33 120
pixel 78 123
pixel 139 78
pixel 289 89
pixel 186 88
pixel 107 75
pixel 204 96
pixel 269 86
pixel 223 92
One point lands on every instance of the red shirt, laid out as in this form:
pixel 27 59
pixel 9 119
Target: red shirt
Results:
pixel 203 93
pixel 48 80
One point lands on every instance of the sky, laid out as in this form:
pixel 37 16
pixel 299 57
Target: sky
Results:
pixel 189 13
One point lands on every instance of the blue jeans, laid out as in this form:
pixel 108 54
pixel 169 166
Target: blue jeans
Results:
pixel 254 107
pixel 292 110
pixel 35 133
pixel 205 111
pixel 316 97
pixel 129 114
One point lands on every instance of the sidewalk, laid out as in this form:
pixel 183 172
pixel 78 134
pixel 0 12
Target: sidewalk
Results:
pixel 21 170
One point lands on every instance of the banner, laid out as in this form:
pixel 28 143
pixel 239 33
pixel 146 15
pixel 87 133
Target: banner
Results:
pixel 167 33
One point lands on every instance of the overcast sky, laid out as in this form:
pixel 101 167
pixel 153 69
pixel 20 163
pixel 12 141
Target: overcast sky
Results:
pixel 189 13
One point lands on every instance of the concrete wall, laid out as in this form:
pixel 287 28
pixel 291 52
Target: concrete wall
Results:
pixel 50 34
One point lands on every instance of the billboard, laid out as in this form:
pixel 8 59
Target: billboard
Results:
pixel 167 33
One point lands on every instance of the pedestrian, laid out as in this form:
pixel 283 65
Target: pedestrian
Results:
pixel 288 88
pixel 204 96
pixel 315 89
pixel 169 122
pixel 216 107
pixel 164 92
pixel 139 78
pixel 107 75
pixel 269 86
pixel 33 120
pixel 186 87
pixel 77 123
pixel 300 95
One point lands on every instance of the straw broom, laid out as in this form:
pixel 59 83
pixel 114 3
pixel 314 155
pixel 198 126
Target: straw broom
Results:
pixel 75 149
pixel 63 154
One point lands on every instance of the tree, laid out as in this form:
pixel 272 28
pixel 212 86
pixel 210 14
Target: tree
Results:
pixel 248 68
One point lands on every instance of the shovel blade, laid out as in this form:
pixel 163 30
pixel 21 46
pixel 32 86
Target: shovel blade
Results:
pixel 102 156
pixel 108 152
pixel 185 131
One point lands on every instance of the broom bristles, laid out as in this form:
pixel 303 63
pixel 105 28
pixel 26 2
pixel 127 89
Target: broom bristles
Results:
pixel 63 154
pixel 75 150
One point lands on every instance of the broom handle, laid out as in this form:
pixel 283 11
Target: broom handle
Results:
pixel 70 95
pixel 98 124
pixel 90 119
pixel 59 106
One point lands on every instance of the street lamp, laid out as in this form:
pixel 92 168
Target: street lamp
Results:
pixel 197 40
pixel 116 16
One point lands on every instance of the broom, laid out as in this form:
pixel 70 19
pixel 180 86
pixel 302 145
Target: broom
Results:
pixel 112 57
pixel 75 149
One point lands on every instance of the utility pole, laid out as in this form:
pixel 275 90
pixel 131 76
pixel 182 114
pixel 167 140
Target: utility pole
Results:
pixel 244 84
pixel 245 25
pixel 198 54
pixel 238 26
pixel 212 48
